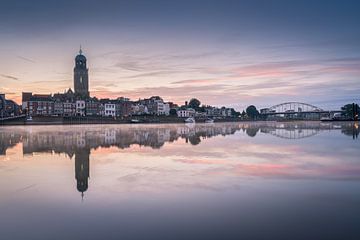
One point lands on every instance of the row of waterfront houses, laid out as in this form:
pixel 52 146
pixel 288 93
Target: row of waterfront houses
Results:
pixel 69 104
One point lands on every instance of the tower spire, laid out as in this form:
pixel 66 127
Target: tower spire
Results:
pixel 80 51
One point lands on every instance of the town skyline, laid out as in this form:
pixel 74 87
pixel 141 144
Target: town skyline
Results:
pixel 308 53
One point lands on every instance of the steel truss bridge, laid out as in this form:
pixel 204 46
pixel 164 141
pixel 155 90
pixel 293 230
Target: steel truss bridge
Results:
pixel 295 108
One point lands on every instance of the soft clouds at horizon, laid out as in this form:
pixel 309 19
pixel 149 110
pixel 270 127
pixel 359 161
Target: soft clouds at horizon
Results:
pixel 232 53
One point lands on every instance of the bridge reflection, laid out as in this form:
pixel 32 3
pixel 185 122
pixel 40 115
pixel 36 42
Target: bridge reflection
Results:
pixel 298 130
pixel 293 133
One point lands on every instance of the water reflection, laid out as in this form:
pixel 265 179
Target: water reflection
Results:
pixel 69 139
pixel 78 141
pixel 236 176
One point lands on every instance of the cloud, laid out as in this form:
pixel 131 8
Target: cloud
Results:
pixel 152 74
pixel 9 77
pixel 210 94
pixel 202 161
pixel 26 59
pixel 196 81
pixel 130 66
pixel 192 56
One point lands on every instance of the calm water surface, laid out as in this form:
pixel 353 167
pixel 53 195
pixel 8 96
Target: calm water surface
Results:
pixel 217 181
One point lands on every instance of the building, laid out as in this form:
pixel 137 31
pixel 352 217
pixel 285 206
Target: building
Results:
pixel 226 112
pixel 123 99
pixel 155 105
pixel 58 107
pixel 38 104
pixel 139 109
pixel 163 108
pixel 81 77
pixel 185 113
pixel 93 107
pixel 2 105
pixel 266 110
pixel 123 108
pixel 109 110
pixel 69 108
pixel 25 101
pixel 213 112
pixel 80 107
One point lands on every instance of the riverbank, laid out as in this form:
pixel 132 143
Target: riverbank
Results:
pixel 54 120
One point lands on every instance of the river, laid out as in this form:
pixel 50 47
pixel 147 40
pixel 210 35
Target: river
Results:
pixel 263 180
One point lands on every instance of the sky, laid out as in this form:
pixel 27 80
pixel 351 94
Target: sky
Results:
pixel 232 53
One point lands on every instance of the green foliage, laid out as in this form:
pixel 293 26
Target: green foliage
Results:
pixel 252 112
pixel 252 131
pixel 351 110
pixel 202 109
pixel 173 112
pixel 235 113
pixel 194 103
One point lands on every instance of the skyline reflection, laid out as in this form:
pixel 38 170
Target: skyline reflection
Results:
pixel 80 142
pixel 67 139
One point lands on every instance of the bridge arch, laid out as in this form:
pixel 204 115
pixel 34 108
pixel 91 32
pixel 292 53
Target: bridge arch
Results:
pixel 294 107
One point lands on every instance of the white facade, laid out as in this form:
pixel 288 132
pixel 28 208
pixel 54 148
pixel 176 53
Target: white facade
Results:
pixel 226 112
pixel 80 107
pixel 139 109
pixel 186 113
pixel 163 108
pixel 109 110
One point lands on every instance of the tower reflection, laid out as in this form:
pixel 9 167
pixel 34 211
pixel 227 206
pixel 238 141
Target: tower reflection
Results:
pixel 82 170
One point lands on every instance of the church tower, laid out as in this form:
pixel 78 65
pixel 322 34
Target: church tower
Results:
pixel 81 78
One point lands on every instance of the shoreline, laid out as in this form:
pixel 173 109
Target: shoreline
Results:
pixel 96 120
pixel 21 121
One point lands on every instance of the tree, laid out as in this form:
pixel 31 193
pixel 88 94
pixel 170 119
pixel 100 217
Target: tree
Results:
pixel 234 113
pixel 252 112
pixel 173 112
pixel 252 131
pixel 194 140
pixel 194 103
pixel 351 110
pixel 202 108
pixel 243 114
